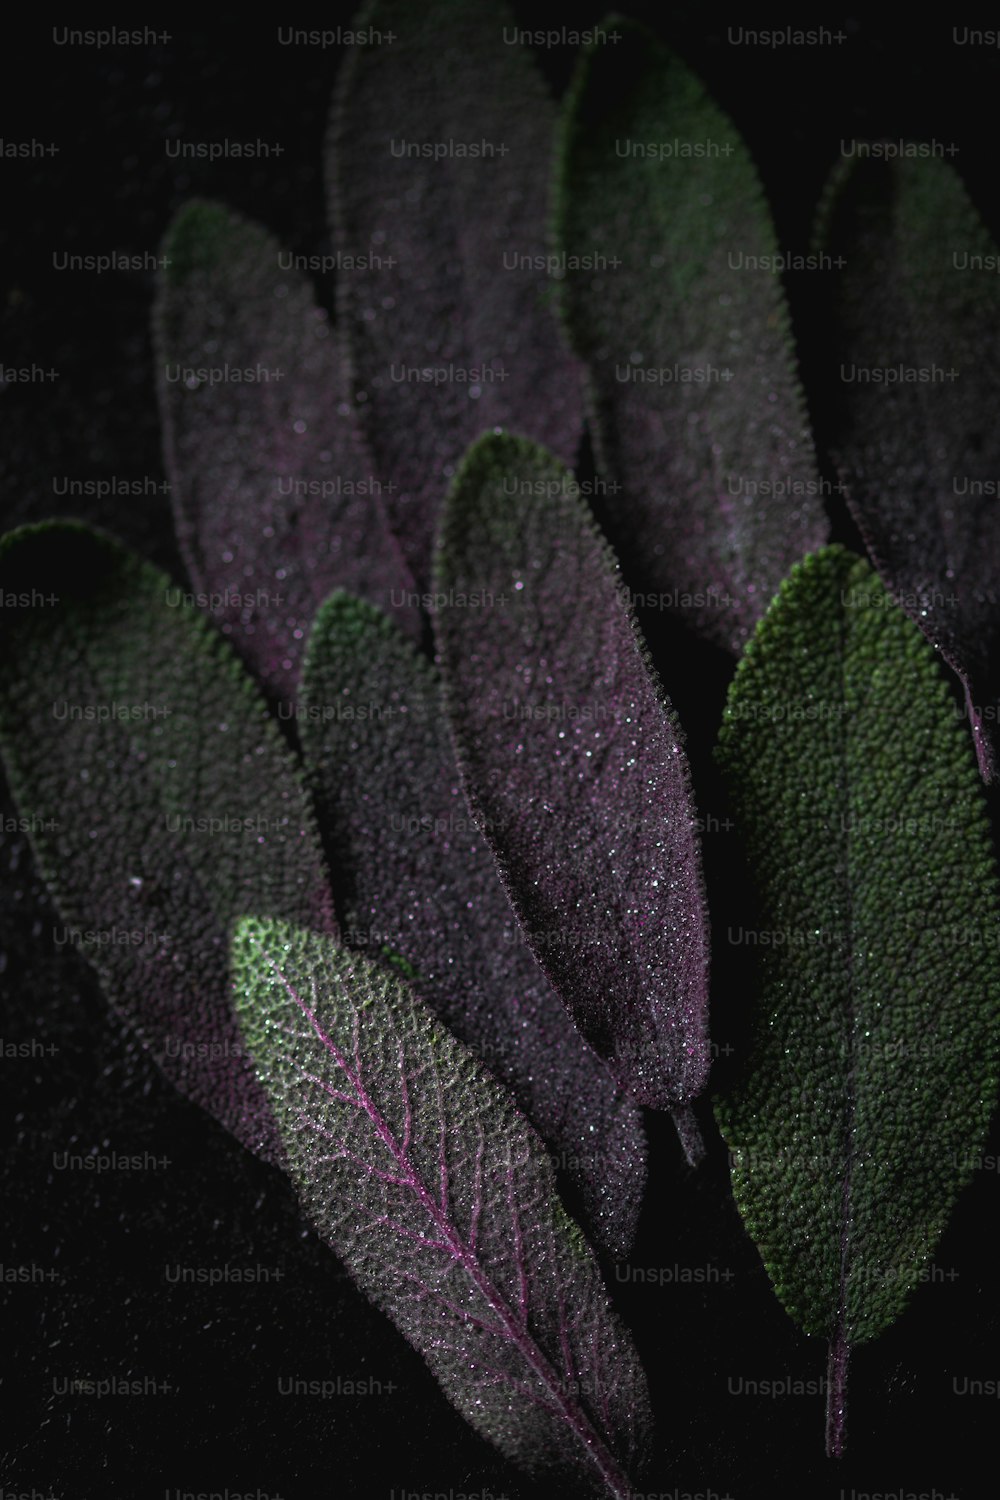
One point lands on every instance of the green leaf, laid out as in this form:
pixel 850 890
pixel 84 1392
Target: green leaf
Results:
pixel 874 959
pixel 417 1169
pixel 696 409
pixel 163 801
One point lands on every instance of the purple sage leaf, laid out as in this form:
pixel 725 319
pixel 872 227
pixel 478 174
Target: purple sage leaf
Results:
pixel 572 759
pixel 438 173
pixel 696 408
pixel 162 800
pixel 917 316
pixel 275 500
pixel 417 1169
pixel 414 876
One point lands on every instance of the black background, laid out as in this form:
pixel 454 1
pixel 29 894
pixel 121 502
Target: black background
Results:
pixel 106 1240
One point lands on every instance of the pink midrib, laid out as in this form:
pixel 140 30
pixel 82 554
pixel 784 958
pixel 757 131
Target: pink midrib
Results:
pixel 514 1328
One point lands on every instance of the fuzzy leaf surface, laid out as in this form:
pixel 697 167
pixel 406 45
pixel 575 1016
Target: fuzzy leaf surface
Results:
pixel 449 250
pixel 275 499
pixel 414 876
pixel 416 1167
pixel 694 400
pixel 572 759
pixel 873 958
pixel 915 316
pixel 162 800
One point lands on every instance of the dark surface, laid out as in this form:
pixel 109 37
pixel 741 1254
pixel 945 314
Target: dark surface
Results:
pixel 104 1242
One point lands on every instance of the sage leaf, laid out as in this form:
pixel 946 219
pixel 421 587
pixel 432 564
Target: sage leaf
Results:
pixel 913 308
pixel 873 961
pixel 160 798
pixel 416 880
pixel 276 501
pixel 572 759
pixel 414 1165
pixel 696 412
pixel 438 177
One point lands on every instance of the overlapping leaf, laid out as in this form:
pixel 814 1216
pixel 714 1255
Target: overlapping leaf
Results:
pixel 915 321
pixel 161 799
pixel 275 499
pixel 416 878
pixel 415 1166
pixel 697 413
pixel 874 957
pixel 573 761
pixel 438 178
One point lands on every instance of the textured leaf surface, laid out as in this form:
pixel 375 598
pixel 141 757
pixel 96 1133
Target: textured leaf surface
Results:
pixel 916 317
pixel 449 249
pixel 275 499
pixel 573 761
pixel 418 1170
pixel 414 876
pixel 695 403
pixel 161 798
pixel 874 961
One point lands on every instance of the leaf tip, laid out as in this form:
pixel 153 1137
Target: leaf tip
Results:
pixel 198 239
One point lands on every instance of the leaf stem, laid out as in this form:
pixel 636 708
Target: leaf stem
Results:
pixel 836 1392
pixel 689 1132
